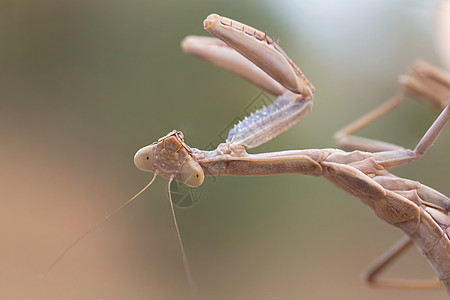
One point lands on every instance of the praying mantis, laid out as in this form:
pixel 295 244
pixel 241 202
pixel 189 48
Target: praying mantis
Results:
pixel 419 211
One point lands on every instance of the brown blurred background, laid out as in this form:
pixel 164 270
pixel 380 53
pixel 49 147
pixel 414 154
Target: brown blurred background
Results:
pixel 84 84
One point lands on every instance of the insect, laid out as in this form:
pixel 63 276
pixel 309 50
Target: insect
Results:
pixel 419 211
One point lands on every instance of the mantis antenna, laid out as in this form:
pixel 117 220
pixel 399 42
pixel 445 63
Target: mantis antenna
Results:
pixel 99 223
pixel 187 269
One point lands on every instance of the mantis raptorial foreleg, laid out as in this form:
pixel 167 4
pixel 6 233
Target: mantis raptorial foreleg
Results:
pixel 423 82
pixel 254 56
pixel 172 158
pixel 260 49
pixel 220 54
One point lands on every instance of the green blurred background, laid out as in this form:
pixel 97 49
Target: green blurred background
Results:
pixel 84 84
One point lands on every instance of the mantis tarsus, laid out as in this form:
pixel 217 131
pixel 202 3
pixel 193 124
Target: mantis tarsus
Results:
pixel 420 211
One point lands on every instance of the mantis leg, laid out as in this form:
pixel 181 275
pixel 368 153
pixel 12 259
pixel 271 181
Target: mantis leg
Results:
pixel 264 52
pixel 437 203
pixel 252 55
pixel 423 82
pixel 371 275
pixel 395 158
pixel 220 54
pixel 344 138
pixel 265 64
pixel 427 83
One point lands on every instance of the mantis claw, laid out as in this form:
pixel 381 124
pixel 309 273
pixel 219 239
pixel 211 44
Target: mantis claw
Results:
pixel 257 47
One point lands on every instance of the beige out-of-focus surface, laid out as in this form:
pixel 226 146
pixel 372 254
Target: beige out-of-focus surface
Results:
pixel 442 32
pixel 84 84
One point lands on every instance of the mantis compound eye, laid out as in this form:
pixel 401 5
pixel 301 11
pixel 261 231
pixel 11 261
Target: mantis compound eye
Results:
pixel 144 159
pixel 191 174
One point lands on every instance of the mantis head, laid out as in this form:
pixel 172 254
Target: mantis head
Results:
pixel 170 157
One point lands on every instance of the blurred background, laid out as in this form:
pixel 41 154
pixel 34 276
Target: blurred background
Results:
pixel 84 84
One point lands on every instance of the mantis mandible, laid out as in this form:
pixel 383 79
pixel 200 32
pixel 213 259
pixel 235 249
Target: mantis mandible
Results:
pixel 419 211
